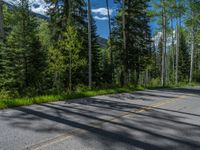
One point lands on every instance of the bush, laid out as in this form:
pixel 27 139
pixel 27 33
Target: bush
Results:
pixel 5 94
pixel 81 88
pixel 154 82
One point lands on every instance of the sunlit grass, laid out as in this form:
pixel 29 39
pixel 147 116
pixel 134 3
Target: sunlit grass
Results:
pixel 15 102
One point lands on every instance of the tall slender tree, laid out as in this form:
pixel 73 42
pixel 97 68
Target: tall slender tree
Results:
pixel 89 45
pixel 179 7
pixel 131 41
pixel 177 49
pixel 125 69
pixel 192 23
pixel 110 30
pixel 192 56
pixel 160 11
pixel 109 18
pixel 96 52
pixel 164 36
pixel 1 21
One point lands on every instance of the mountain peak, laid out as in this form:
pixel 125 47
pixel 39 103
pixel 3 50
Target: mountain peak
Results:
pixel 158 37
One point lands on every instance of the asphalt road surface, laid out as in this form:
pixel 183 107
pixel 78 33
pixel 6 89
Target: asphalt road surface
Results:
pixel 163 119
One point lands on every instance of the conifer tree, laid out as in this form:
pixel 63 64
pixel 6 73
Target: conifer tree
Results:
pixel 184 58
pixel 24 60
pixel 96 72
pixel 134 58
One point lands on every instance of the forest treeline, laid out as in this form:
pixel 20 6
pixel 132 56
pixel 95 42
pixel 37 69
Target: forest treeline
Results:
pixel 62 53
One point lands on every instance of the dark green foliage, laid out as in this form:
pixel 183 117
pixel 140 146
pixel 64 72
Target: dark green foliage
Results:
pixel 96 72
pixel 51 56
pixel 135 58
pixel 23 58
pixel 184 58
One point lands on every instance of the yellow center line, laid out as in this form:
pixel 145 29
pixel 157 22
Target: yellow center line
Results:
pixel 157 105
pixel 81 131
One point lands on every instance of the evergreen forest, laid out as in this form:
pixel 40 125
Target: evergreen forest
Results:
pixel 61 52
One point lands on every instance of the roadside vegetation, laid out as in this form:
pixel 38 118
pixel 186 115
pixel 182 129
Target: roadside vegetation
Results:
pixel 59 55
pixel 8 102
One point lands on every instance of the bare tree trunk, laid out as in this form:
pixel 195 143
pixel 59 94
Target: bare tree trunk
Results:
pixel 109 21
pixel 109 24
pixel 192 57
pixel 177 49
pixel 70 70
pixel 124 41
pixel 173 59
pixel 166 68
pixel 124 26
pixel 1 21
pixel 163 72
pixel 146 81
pixel 89 44
pixel 162 63
pixel 165 49
pixel 67 7
pixel 178 24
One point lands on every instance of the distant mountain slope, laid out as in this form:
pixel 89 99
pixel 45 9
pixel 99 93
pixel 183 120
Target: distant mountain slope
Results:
pixel 102 42
pixel 156 38
pixel 38 7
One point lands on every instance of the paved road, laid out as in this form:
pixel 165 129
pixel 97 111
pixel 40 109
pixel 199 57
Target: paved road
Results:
pixel 150 120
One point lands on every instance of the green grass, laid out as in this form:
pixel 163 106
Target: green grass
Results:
pixel 15 102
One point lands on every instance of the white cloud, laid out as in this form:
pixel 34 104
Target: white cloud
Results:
pixel 102 11
pixel 41 9
pixel 100 18
pixel 42 6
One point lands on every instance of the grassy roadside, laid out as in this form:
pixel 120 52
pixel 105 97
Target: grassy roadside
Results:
pixel 15 102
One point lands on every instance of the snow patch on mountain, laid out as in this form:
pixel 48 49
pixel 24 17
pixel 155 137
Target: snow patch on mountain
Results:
pixel 158 37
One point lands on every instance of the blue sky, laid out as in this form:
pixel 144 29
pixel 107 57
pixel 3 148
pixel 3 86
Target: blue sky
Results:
pixel 98 8
pixel 100 15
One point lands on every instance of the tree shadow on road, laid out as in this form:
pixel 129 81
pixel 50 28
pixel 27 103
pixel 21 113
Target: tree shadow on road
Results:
pixel 192 90
pixel 143 95
pixel 118 136
pixel 114 125
pixel 111 123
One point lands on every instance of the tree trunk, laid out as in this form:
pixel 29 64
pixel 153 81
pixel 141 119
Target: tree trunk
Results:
pixel 1 21
pixel 192 57
pixel 70 71
pixel 109 24
pixel 89 44
pixel 177 49
pixel 146 81
pixel 109 20
pixel 124 44
pixel 173 59
pixel 178 24
pixel 163 74
pixel 67 9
